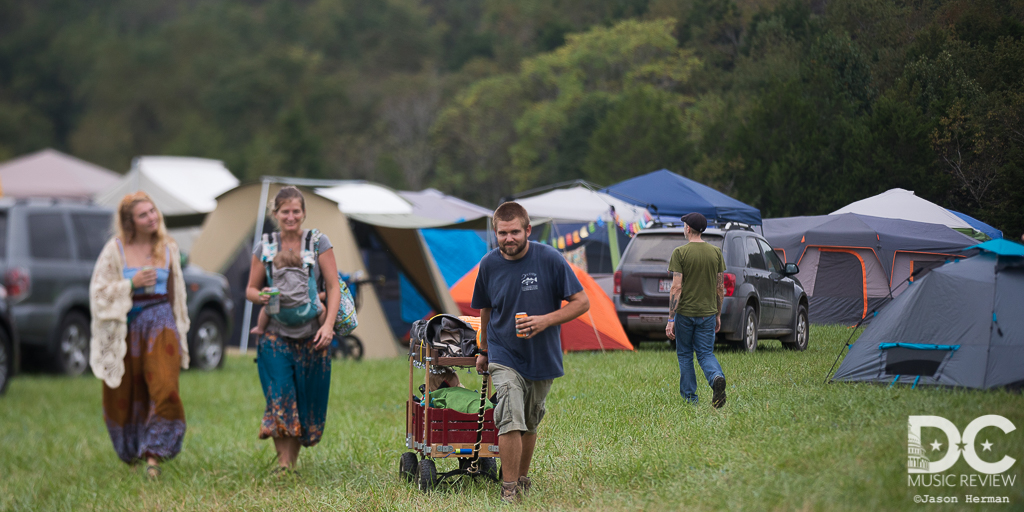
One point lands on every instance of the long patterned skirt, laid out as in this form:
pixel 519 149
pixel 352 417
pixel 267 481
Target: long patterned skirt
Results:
pixel 296 381
pixel 144 415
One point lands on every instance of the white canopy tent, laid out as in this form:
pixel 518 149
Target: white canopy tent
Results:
pixel 580 204
pixel 898 203
pixel 178 185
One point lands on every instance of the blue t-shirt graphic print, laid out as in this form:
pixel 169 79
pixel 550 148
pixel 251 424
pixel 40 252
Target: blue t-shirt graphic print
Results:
pixel 535 284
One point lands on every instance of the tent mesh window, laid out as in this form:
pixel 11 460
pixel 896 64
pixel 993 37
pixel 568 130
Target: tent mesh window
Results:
pixel 913 361
pixel 927 265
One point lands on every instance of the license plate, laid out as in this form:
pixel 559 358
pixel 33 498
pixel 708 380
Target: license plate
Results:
pixel 654 319
pixel 664 285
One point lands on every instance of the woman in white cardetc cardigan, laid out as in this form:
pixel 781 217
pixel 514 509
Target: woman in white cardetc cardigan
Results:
pixel 139 325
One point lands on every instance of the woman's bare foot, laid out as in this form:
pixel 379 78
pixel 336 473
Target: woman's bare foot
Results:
pixel 152 468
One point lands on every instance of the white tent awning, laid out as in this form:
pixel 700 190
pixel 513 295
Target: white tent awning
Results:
pixel 178 185
pixel 898 203
pixel 580 204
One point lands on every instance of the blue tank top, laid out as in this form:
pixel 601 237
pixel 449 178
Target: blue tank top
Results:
pixel 162 274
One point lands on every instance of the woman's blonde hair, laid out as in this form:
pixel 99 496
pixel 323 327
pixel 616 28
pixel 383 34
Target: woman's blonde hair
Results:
pixel 124 222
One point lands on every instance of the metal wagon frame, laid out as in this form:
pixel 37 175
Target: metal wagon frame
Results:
pixel 435 433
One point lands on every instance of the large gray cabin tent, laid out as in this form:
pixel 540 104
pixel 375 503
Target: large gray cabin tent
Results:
pixel 960 325
pixel 849 263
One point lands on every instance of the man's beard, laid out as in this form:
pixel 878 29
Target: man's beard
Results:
pixel 514 250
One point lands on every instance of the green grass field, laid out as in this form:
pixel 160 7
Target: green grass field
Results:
pixel 617 436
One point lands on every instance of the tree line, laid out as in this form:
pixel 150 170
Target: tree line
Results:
pixel 797 107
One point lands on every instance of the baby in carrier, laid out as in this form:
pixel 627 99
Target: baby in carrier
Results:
pixel 289 274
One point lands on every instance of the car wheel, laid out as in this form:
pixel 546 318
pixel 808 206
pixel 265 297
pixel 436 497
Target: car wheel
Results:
pixel 407 466
pixel 428 475
pixel 749 339
pixel 801 331
pixel 72 357
pixel 6 361
pixel 206 351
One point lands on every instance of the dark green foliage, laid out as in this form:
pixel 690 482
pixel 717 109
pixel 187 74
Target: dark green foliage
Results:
pixel 795 106
pixel 642 131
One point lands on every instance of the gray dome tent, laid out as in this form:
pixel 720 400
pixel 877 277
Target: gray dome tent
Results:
pixel 960 325
pixel 851 263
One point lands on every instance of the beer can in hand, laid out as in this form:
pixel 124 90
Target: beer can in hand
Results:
pixel 274 304
pixel 521 333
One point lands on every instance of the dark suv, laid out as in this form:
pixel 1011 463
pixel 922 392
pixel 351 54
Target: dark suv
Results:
pixel 762 299
pixel 47 253
pixel 9 346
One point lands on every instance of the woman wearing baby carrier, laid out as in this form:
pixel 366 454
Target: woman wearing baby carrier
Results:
pixel 292 356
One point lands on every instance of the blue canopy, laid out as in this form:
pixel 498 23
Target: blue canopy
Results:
pixel 1001 247
pixel 456 252
pixel 979 225
pixel 670 194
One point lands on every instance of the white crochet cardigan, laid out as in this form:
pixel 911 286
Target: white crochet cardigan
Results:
pixel 110 300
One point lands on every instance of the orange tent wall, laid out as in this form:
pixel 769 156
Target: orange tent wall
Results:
pixel 597 329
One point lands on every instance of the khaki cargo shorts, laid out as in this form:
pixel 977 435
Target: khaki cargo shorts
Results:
pixel 520 401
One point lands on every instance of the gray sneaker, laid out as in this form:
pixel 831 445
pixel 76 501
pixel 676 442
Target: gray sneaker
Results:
pixel 510 493
pixel 524 485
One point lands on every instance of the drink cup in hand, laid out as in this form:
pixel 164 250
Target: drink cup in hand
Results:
pixel 149 289
pixel 273 306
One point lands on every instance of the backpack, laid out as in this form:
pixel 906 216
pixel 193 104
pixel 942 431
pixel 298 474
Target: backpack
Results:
pixel 299 302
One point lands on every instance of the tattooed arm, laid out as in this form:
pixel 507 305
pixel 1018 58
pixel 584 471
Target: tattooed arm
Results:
pixel 673 302
pixel 721 297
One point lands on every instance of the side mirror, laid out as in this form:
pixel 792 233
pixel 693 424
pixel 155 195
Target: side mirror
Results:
pixel 791 269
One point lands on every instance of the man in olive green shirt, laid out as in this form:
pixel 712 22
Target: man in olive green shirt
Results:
pixel 695 307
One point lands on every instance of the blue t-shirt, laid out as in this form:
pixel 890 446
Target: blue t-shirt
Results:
pixel 535 284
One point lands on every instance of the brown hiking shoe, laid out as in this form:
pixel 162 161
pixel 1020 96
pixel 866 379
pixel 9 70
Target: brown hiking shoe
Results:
pixel 525 484
pixel 718 392
pixel 510 493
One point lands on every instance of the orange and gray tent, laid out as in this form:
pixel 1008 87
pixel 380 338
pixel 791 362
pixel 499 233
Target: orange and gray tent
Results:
pixel 597 329
pixel 851 264
pixel 958 326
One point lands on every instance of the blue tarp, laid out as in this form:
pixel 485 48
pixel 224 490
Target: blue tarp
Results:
pixel 675 195
pixel 456 252
pixel 979 225
pixel 1001 247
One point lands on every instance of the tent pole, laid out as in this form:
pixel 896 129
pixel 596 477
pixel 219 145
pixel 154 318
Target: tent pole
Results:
pixel 261 216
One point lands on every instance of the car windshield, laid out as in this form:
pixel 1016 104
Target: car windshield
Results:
pixel 657 248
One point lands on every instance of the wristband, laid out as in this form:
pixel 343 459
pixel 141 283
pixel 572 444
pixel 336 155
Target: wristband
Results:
pixel 483 353
pixel 671 320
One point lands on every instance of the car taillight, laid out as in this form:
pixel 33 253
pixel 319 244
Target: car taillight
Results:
pixel 19 284
pixel 618 282
pixel 730 284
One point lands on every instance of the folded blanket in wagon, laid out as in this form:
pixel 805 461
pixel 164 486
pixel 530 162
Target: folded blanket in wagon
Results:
pixel 458 399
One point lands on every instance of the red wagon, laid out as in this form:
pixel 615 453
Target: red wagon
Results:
pixel 435 433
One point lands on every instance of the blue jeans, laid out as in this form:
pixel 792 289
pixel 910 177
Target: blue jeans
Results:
pixel 695 335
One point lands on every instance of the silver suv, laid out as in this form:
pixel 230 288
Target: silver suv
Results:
pixel 47 252
pixel 763 299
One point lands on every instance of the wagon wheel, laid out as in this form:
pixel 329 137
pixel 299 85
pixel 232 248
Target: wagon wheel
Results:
pixel 407 466
pixel 428 475
pixel 489 467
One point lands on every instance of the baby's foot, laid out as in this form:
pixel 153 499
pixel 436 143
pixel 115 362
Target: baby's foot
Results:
pixel 256 330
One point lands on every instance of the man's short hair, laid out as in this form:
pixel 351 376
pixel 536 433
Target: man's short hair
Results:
pixel 511 210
